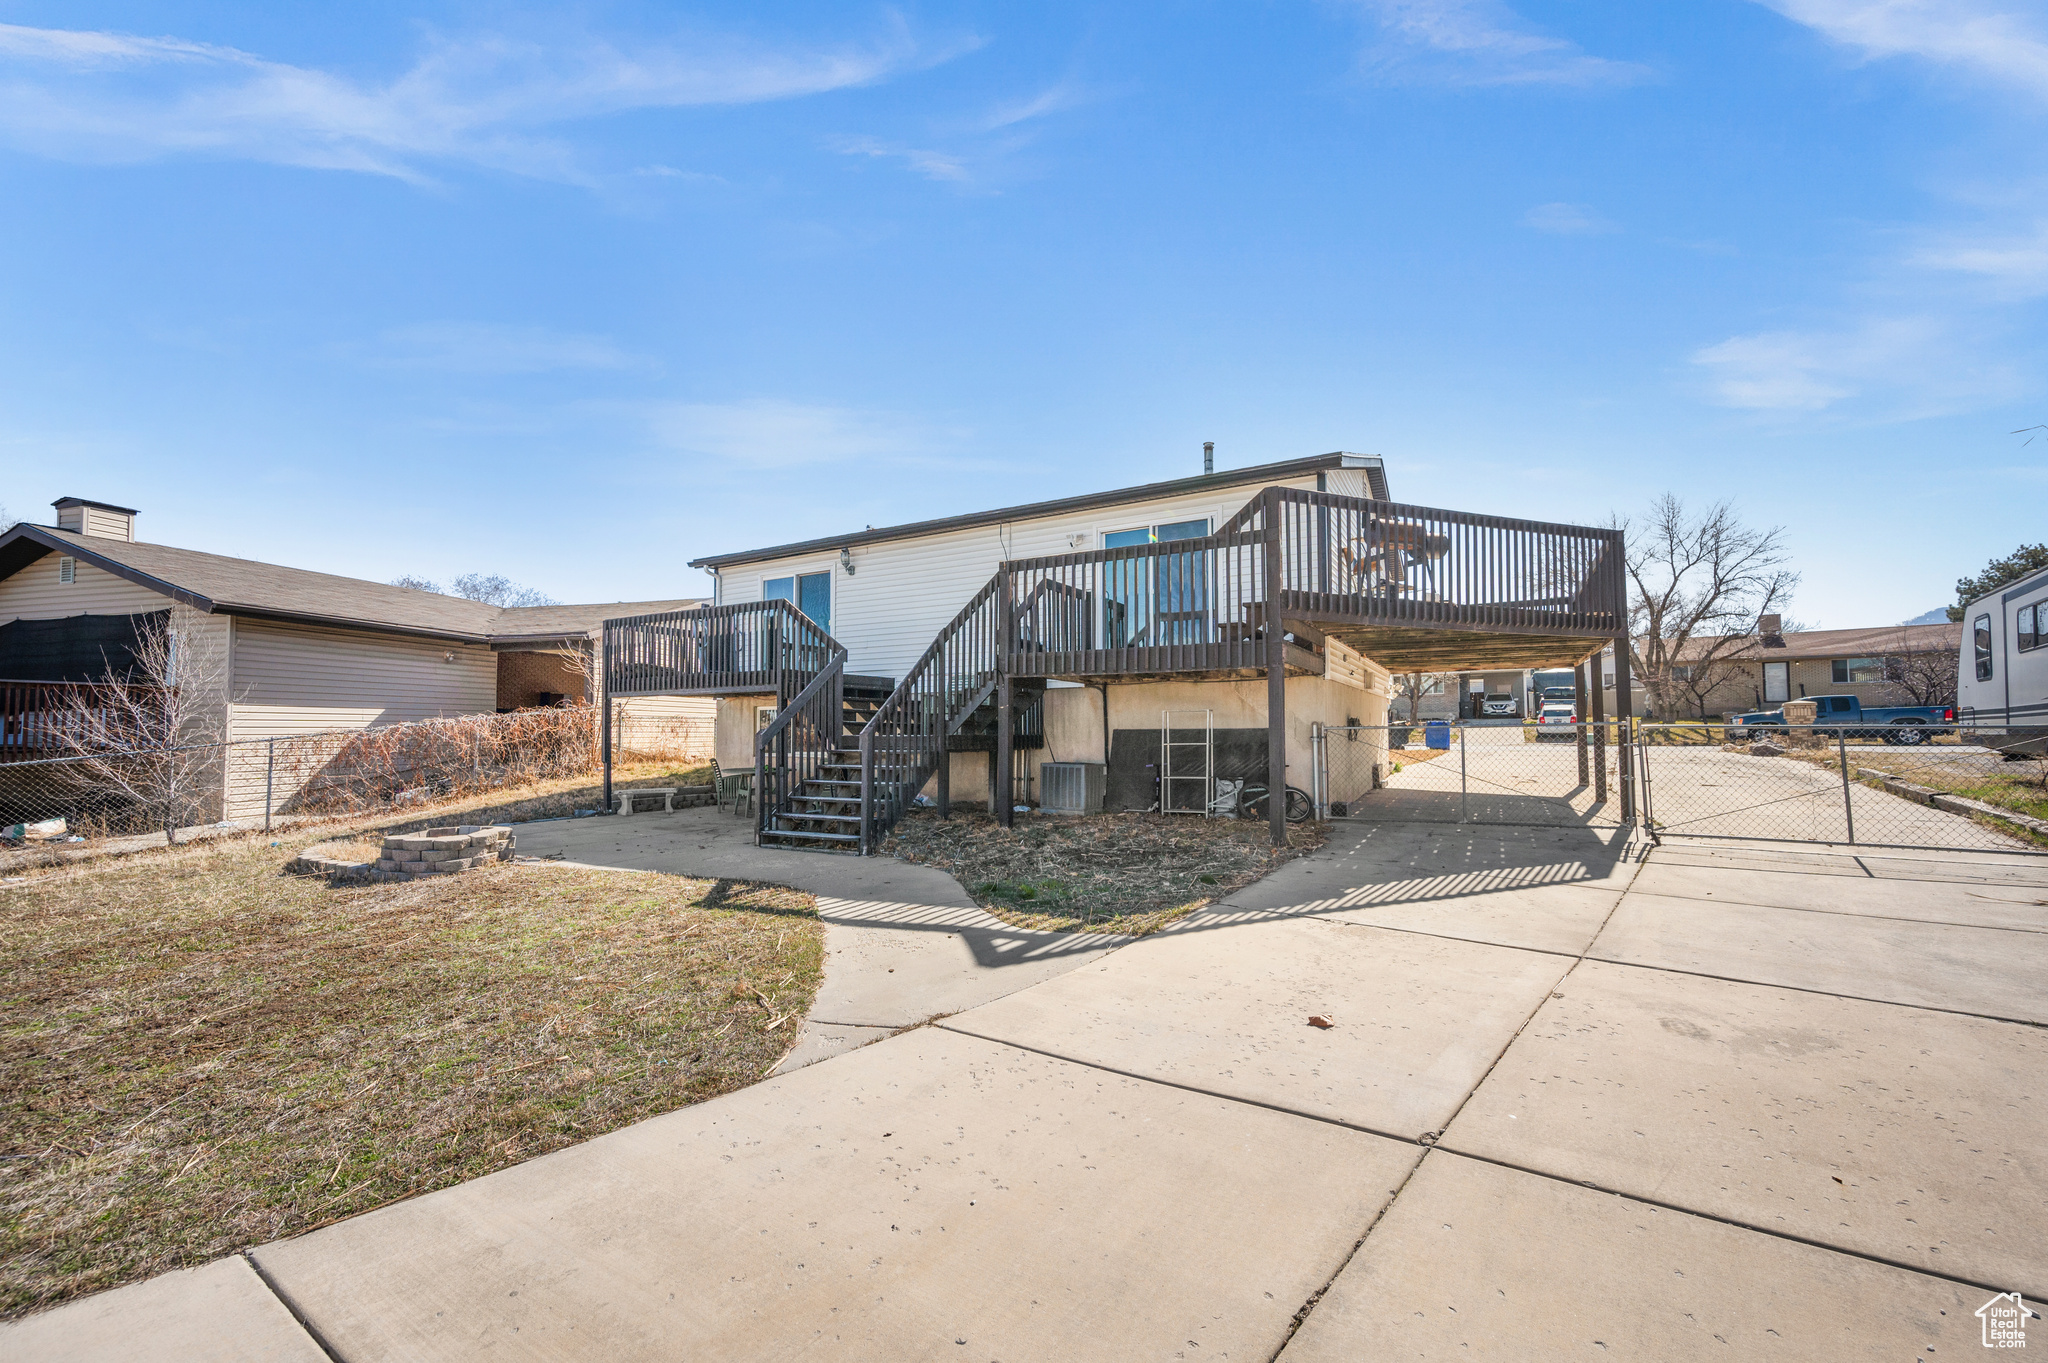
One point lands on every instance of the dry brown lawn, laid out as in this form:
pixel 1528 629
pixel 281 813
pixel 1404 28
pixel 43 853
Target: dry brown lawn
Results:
pixel 200 1054
pixel 1123 873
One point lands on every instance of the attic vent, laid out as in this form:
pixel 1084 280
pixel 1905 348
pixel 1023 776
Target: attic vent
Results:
pixel 67 570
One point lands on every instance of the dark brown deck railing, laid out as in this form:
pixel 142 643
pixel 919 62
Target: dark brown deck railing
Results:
pixel 1389 563
pixel 902 746
pixel 804 737
pixel 753 646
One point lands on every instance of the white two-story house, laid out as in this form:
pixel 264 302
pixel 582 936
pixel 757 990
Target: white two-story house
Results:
pixel 1211 619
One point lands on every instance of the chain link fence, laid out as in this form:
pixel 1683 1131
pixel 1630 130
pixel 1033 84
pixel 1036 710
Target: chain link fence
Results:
pixel 1519 774
pixel 257 782
pixel 1948 788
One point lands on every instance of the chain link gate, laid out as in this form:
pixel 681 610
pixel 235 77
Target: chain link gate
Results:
pixel 1946 788
pixel 1516 775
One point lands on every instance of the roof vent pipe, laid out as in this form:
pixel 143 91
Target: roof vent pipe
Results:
pixel 1208 457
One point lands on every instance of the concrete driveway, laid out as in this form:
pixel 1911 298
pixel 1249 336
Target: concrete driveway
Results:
pixel 1733 1102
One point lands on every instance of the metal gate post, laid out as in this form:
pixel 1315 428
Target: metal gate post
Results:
pixel 269 780
pixel 1638 741
pixel 1464 786
pixel 1318 771
pixel 1842 756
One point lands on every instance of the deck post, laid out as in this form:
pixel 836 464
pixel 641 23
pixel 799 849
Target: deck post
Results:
pixel 1276 676
pixel 1580 712
pixel 1624 720
pixel 1599 726
pixel 945 780
pixel 604 698
pixel 1004 776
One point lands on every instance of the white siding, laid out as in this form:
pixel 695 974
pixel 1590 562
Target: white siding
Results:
pixel 295 679
pixel 34 593
pixel 902 592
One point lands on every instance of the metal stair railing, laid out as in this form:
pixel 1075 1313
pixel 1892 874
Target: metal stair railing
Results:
pixel 796 746
pixel 902 746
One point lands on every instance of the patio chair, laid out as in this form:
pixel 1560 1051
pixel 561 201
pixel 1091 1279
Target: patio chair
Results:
pixel 736 786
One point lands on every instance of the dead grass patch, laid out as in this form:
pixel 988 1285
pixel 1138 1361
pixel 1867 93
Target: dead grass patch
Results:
pixel 1121 873
pixel 199 1053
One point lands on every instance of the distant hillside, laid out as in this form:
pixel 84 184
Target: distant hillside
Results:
pixel 1937 616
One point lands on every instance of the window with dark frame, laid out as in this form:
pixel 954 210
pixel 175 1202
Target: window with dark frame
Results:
pixel 1848 671
pixel 2027 626
pixel 1980 640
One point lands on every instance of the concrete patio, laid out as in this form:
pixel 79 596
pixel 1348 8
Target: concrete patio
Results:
pixel 1577 1101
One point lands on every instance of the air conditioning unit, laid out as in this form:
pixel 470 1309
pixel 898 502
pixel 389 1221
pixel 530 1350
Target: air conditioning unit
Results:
pixel 1071 787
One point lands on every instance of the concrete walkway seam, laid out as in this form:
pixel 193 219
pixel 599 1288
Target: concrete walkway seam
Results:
pixel 284 1300
pixel 1823 993
pixel 1431 1144
pixel 1850 913
pixel 2034 1292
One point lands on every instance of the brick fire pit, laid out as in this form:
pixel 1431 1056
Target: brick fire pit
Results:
pixel 443 851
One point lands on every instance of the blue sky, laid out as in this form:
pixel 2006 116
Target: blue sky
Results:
pixel 577 294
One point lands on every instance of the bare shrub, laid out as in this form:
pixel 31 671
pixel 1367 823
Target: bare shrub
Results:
pixel 432 759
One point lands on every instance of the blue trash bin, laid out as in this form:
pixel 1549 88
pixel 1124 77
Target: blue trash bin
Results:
pixel 1437 734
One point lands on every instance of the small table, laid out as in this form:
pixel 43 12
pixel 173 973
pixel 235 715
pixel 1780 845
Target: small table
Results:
pixel 667 794
pixel 734 785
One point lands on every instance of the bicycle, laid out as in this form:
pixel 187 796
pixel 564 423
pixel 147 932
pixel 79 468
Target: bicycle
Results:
pixel 1247 800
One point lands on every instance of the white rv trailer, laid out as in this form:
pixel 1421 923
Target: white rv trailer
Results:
pixel 2002 672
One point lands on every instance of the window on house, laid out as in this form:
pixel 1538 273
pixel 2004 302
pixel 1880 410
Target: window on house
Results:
pixel 1683 672
pixel 2027 627
pixel 1980 644
pixel 1849 670
pixel 810 593
pixel 1159 598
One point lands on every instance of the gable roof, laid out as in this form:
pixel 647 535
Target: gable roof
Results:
pixel 217 584
pixel 1261 474
pixel 1809 644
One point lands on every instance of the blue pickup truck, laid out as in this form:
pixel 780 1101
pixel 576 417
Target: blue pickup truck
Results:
pixel 1892 723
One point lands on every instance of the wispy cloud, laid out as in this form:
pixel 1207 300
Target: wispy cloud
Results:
pixel 933 165
pixel 2015 265
pixel 486 100
pixel 1902 367
pixel 1568 220
pixel 773 433
pixel 486 348
pixel 1479 43
pixel 1997 39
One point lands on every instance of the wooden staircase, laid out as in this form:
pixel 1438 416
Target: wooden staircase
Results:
pixel 823 813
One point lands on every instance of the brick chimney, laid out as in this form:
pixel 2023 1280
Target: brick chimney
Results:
pixel 1772 628
pixel 102 520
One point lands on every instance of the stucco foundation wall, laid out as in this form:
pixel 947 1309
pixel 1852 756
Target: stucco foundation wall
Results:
pixel 1073 716
pixel 735 730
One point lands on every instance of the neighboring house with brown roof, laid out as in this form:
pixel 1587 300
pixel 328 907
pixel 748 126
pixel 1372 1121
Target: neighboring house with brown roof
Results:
pixel 1767 669
pixel 296 652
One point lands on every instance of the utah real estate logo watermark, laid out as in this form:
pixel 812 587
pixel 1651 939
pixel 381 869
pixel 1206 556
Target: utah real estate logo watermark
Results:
pixel 2005 1321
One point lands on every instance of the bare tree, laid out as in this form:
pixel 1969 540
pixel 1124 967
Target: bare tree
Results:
pixel 494 589
pixel 497 590
pixel 1697 585
pixel 149 737
pixel 1927 674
